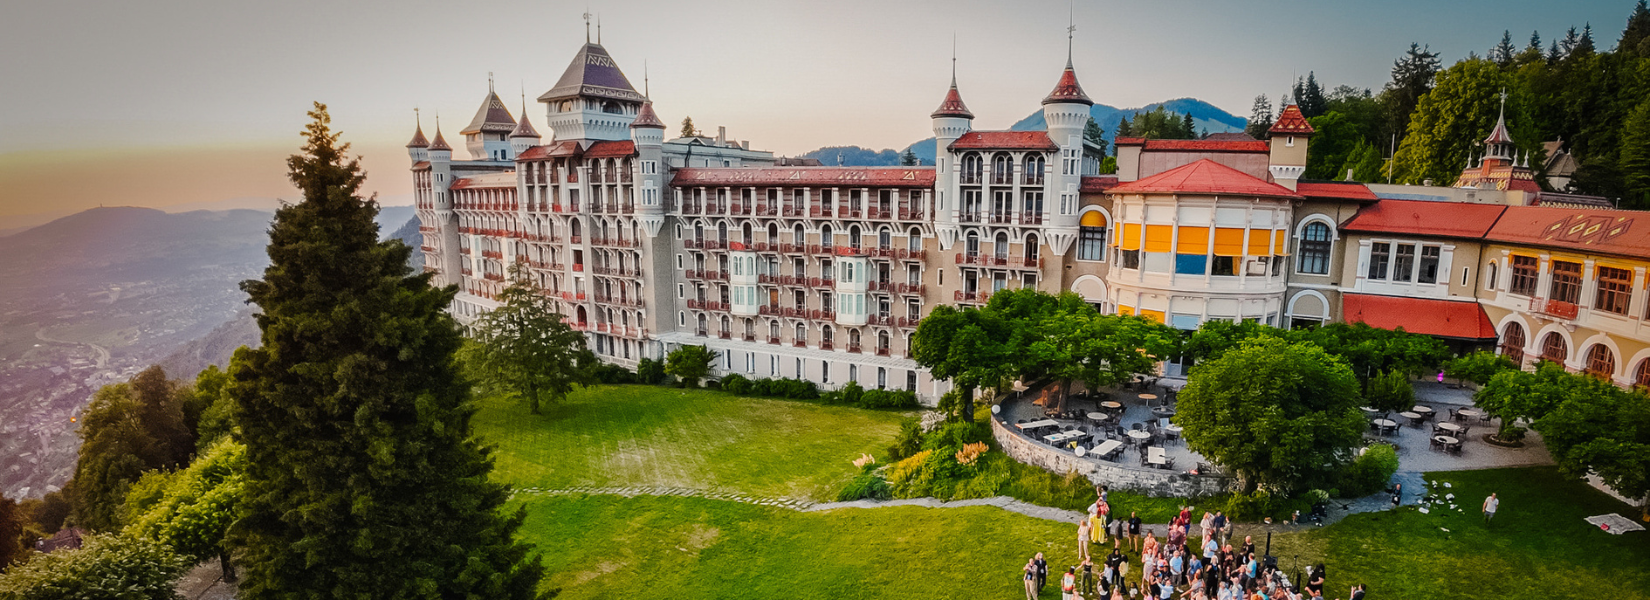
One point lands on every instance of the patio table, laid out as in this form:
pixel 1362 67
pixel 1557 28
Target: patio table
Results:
pixel 1424 411
pixel 1450 427
pixel 1037 424
pixel 1414 418
pixel 1156 457
pixel 1107 448
pixel 1384 425
pixel 1139 434
pixel 1097 416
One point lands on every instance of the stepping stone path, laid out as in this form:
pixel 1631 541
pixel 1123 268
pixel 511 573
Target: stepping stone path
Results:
pixel 801 505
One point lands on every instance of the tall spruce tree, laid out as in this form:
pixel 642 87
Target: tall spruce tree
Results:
pixel 1635 38
pixel 363 479
pixel 1260 118
pixel 1412 78
pixel 1503 52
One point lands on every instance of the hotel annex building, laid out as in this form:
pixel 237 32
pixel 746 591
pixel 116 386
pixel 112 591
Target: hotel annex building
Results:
pixel 822 273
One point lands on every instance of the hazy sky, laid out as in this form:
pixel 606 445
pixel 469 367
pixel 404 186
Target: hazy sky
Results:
pixel 173 102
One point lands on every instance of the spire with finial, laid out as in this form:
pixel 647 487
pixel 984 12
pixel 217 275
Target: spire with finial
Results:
pixel 587 25
pixel 1067 90
pixel 523 128
pixel 953 105
pixel 418 140
pixel 598 29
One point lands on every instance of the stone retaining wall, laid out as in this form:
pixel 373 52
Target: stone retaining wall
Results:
pixel 1152 482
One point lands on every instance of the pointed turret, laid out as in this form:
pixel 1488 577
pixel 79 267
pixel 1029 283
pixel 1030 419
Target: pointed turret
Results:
pixel 646 117
pixel 440 143
pixel 418 148
pixel 1067 90
pixel 1287 140
pixel 524 136
pixel 593 100
pixel 953 105
pixel 487 137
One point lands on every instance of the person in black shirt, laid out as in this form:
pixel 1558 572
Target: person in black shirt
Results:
pixel 1088 576
pixel 1357 592
pixel 1134 531
pixel 1042 571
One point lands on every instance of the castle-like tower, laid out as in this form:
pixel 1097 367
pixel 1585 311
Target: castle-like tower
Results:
pixel 593 100
pixel 1066 112
pixel 951 120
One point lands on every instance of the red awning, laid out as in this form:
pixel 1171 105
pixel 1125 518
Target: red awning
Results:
pixel 1442 318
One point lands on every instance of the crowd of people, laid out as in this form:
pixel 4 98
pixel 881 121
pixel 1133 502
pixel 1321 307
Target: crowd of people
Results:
pixel 1185 563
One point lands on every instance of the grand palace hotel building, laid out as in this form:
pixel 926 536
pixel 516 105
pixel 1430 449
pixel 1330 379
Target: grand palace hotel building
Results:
pixel 822 273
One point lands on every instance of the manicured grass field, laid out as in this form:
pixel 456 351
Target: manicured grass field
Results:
pixel 1538 546
pixel 645 435
pixel 672 547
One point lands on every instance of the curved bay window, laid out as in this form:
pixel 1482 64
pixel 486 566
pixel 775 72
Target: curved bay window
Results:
pixel 1314 249
pixel 1601 362
pixel 1091 236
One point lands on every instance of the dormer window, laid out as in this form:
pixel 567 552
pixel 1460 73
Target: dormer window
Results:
pixel 1289 141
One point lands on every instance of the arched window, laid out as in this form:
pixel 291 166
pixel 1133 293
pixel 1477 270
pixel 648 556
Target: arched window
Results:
pixel 853 237
pixel 973 245
pixel 798 236
pixel 1642 378
pixel 1512 343
pixel 801 334
pixel 885 239
pixel 1033 169
pixel 722 234
pixel 1489 275
pixel 1601 362
pixel 827 238
pixel 699 232
pixel 727 326
pixel 773 234
pixel 913 240
pixel 701 324
pixel 1031 250
pixel 825 335
pixel 1091 236
pixel 999 247
pixel 1314 249
pixel 853 339
pixel 750 238
pixel 883 340
pixel 972 165
pixel 1002 169
pixel 1554 349
pixel 773 331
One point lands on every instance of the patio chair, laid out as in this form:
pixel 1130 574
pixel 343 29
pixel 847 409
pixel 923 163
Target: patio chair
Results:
pixel 1168 463
pixel 1453 416
pixel 1137 426
pixel 1454 448
pixel 1436 445
pixel 1463 433
pixel 1484 417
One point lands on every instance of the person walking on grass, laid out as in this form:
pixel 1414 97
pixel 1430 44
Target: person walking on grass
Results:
pixel 1134 531
pixel 1088 577
pixel 1083 540
pixel 1029 577
pixel 1068 584
pixel 1118 528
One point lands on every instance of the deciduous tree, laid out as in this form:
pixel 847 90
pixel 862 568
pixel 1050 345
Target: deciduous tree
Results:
pixel 105 566
pixel 1478 367
pixel 363 478
pixel 1275 414
pixel 689 363
pixel 190 510
pixel 11 532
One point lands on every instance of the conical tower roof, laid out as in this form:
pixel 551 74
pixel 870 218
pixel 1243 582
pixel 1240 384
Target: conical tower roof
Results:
pixel 440 143
pixel 418 140
pixel 646 118
pixel 1291 122
pixel 1068 90
pixel 953 105
pixel 524 128
pixel 593 73
pixel 492 117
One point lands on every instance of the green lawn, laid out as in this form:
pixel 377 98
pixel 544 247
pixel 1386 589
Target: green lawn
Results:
pixel 1538 547
pixel 673 547
pixel 644 435
pixel 653 547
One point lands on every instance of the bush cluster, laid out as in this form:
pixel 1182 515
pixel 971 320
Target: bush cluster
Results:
pixel 609 373
pixel 855 395
pixel 1369 472
pixel 651 372
pixel 794 389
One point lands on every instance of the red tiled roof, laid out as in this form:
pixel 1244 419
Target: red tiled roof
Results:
pixel 1067 89
pixel 1229 136
pixel 535 153
pixel 471 183
pixel 1291 122
pixel 952 105
pixel 1335 189
pixel 1129 141
pixel 611 149
pixel 1252 146
pixel 1097 183
pixel 1443 318
pixel 421 165
pixel 1005 140
pixel 1592 230
pixel 646 117
pixel 1204 177
pixel 1421 217
pixel 921 177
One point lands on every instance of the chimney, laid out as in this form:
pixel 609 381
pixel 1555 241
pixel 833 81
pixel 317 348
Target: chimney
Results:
pixel 721 135
pixel 745 145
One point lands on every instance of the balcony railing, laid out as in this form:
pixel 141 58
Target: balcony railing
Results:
pixel 1031 218
pixel 1553 308
pixel 975 297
